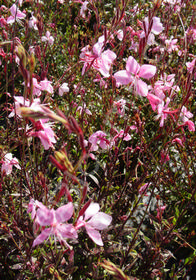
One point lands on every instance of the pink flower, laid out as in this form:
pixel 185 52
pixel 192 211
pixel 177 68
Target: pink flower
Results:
pixel 83 8
pixel 120 34
pixel 154 101
pixel 48 38
pixel 43 85
pixel 46 85
pixel 33 22
pixel 122 134
pixel 98 139
pixel 20 2
pixel 185 115
pixel 164 157
pixel 104 62
pixel 143 189
pixel 171 45
pixel 16 13
pixel 176 5
pixel 163 111
pixel 134 46
pixel 93 221
pixel 133 73
pixel 3 22
pixel 120 104
pixel 63 88
pixel 36 87
pixel 160 211
pixel 45 133
pixel 191 66
pixel 21 102
pixel 8 162
pixel 54 221
pixel 33 206
pixel 165 84
pixel 102 82
pixel 156 28
pixel 177 140
pixel 167 80
pixel 193 33
pixel 83 108
pixel 98 59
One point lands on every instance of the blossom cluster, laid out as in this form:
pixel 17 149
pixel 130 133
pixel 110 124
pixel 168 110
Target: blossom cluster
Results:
pixel 55 222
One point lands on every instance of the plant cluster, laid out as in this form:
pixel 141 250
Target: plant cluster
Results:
pixel 97 146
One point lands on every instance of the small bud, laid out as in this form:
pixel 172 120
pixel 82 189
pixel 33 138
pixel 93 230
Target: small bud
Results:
pixel 157 4
pixel 114 270
pixel 54 272
pixel 64 190
pixel 20 51
pixel 63 160
pixel 32 63
pixel 86 205
pixel 84 192
pixel 41 113
pixel 56 163
pixel 27 112
pixel 74 126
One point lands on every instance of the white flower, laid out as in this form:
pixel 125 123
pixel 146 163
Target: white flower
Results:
pixel 63 88
pixel 7 163
pixel 48 38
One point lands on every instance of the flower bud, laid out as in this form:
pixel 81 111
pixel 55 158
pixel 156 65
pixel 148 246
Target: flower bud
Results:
pixel 32 63
pixel 20 51
pixel 62 158
pixel 114 270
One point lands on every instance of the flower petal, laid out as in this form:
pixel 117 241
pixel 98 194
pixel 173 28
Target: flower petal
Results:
pixel 7 168
pixel 45 217
pixel 64 213
pixel 104 62
pixel 141 88
pixel 123 77
pixel 157 26
pixel 94 235
pixel 191 125
pixel 91 210
pixel 43 236
pixel 67 231
pixel 100 221
pixel 154 100
pixel 147 71
pixel 132 66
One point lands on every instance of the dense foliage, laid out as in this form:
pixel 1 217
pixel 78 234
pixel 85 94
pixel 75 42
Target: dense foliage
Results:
pixel 97 146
